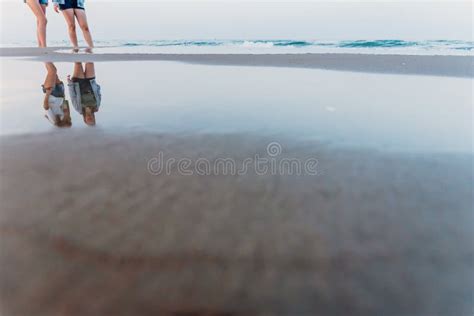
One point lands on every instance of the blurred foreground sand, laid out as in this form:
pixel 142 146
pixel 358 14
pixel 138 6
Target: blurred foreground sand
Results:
pixel 85 229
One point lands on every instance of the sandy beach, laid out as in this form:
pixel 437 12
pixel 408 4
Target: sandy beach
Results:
pixel 454 66
pixel 384 226
pixel 236 158
pixel 372 233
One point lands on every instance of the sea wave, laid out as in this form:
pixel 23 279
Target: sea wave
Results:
pixel 378 43
pixel 384 43
pixel 283 46
pixel 291 46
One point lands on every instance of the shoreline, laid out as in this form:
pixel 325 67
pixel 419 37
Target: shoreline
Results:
pixel 447 66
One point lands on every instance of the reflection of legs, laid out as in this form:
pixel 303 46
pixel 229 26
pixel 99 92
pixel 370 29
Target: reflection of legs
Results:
pixel 82 20
pixel 78 71
pixel 40 13
pixel 90 70
pixel 50 80
pixel 89 116
pixel 71 25
pixel 50 67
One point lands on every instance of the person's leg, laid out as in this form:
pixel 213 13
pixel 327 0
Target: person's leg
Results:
pixel 71 25
pixel 40 13
pixel 49 83
pixel 78 71
pixel 82 20
pixel 50 80
pixel 90 70
pixel 50 66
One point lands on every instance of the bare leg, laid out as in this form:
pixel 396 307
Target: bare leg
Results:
pixel 71 25
pixel 82 20
pixel 78 71
pixel 90 70
pixel 50 79
pixel 41 29
pixel 50 66
pixel 49 83
pixel 89 116
pixel 40 13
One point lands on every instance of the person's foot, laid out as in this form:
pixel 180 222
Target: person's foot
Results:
pixel 88 50
pixel 75 49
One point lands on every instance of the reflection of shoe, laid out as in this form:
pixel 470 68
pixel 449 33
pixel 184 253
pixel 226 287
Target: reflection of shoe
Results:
pixel 75 50
pixel 88 50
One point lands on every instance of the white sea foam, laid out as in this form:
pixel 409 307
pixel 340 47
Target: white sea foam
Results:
pixel 398 47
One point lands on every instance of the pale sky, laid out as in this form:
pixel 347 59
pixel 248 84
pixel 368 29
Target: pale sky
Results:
pixel 227 19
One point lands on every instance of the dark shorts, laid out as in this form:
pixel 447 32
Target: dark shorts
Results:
pixel 84 84
pixel 87 94
pixel 70 4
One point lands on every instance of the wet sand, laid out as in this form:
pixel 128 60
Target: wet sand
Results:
pixel 452 66
pixel 87 230
pixel 384 228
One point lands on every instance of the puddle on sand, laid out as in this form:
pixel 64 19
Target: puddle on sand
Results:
pixel 412 113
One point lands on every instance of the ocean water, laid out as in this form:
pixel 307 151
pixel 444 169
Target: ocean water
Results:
pixel 283 46
pixel 388 46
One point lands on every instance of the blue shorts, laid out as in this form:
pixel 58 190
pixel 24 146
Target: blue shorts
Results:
pixel 44 2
